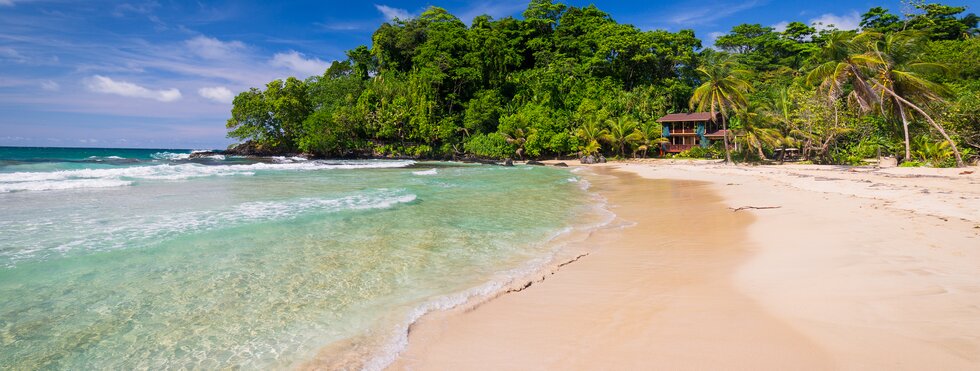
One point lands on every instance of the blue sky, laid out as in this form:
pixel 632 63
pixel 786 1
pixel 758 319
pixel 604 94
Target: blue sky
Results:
pixel 161 74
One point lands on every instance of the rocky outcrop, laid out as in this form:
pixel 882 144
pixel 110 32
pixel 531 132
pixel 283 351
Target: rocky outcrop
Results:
pixel 251 149
pixel 535 163
pixel 205 154
pixel 561 164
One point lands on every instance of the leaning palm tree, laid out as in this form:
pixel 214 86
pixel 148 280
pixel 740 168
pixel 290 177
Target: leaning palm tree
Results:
pixel 883 71
pixel 722 91
pixel 622 132
pixel 899 78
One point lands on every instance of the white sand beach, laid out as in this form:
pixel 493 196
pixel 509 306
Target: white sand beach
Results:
pixel 844 268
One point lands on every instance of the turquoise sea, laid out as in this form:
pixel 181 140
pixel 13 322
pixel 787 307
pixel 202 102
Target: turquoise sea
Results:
pixel 147 259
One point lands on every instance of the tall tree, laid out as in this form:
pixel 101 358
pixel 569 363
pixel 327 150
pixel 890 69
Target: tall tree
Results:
pixel 722 91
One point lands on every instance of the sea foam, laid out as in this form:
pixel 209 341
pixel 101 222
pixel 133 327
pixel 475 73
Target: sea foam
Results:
pixel 105 234
pixel 115 177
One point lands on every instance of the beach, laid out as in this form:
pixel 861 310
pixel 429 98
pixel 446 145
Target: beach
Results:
pixel 743 267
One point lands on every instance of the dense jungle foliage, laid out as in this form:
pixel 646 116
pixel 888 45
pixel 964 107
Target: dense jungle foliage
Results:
pixel 568 81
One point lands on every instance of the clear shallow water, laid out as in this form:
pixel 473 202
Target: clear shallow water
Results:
pixel 155 261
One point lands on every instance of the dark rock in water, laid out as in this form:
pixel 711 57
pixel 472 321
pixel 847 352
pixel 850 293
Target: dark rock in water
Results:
pixel 588 159
pixel 205 154
pixel 508 162
pixel 535 163
pixel 249 148
pixel 561 164
pixel 602 159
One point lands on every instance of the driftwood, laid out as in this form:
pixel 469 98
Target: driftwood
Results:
pixel 734 209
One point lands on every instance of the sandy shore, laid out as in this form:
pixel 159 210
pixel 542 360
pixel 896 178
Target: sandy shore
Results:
pixel 854 269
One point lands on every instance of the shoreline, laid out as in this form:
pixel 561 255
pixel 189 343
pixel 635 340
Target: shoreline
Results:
pixel 751 303
pixel 377 351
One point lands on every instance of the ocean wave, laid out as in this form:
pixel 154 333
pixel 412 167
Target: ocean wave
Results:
pixel 100 178
pixel 171 156
pixel 99 158
pixel 143 231
pixel 61 185
pixel 426 172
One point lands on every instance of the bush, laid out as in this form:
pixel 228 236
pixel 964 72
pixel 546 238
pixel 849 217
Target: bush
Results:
pixel 911 164
pixel 699 152
pixel 492 145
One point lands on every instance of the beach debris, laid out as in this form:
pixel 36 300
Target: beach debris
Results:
pixel 561 164
pixel 734 209
pixel 967 172
pixel 535 163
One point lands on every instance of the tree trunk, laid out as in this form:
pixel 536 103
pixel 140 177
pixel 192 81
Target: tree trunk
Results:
pixel 728 152
pixel 956 152
pixel 905 128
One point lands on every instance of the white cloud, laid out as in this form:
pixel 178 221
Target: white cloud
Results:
pixel 391 13
pixel 297 62
pixel 495 9
pixel 781 26
pixel 144 8
pixel 211 48
pixel 50 85
pixel 102 84
pixel 713 36
pixel 6 2
pixel 218 94
pixel 12 54
pixel 851 21
pixel 695 14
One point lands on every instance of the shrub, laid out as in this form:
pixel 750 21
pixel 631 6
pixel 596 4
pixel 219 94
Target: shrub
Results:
pixel 699 152
pixel 911 164
pixel 492 145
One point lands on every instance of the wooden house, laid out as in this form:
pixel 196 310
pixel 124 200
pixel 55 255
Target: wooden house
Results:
pixel 686 130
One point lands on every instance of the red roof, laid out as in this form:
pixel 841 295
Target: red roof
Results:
pixel 679 117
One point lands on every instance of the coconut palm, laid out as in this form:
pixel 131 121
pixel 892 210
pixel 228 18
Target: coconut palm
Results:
pixel 753 129
pixel 884 71
pixel 651 135
pixel 590 133
pixel 622 132
pixel 517 137
pixel 894 60
pixel 721 91
pixel 781 111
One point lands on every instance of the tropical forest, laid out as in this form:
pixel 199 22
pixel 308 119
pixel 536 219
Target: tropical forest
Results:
pixel 564 81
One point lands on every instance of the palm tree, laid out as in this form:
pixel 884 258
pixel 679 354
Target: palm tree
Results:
pixel 517 138
pixel 894 60
pixel 650 134
pixel 753 129
pixel 883 71
pixel 590 133
pixel 622 131
pixel 781 111
pixel 721 91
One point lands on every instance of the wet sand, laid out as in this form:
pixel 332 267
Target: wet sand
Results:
pixel 831 279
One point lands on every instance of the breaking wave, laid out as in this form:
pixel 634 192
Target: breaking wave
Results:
pixel 117 177
pixel 102 235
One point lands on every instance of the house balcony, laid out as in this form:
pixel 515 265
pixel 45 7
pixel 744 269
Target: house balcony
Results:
pixel 683 132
